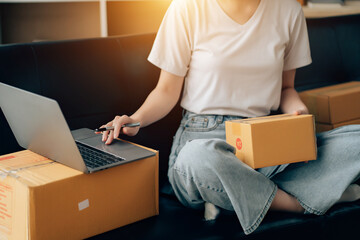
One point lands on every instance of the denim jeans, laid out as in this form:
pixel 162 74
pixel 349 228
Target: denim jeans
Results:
pixel 204 168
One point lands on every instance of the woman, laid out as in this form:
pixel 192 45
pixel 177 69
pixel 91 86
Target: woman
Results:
pixel 236 59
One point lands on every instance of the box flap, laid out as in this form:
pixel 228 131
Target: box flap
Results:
pixel 335 89
pixel 33 169
pixel 266 119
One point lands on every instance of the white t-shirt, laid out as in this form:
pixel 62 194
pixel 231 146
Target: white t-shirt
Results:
pixel 229 68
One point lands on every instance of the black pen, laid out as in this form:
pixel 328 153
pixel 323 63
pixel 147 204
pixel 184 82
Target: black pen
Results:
pixel 112 127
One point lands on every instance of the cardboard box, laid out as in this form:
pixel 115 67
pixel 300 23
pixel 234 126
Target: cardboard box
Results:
pixel 42 199
pixel 274 140
pixel 334 104
pixel 302 2
pixel 322 127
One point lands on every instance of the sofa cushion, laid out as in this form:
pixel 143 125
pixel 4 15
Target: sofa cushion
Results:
pixel 83 76
pixel 177 222
pixel 335 51
pixel 18 68
pixel 347 33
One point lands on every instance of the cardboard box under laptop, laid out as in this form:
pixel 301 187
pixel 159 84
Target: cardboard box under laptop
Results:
pixel 334 104
pixel 273 140
pixel 42 199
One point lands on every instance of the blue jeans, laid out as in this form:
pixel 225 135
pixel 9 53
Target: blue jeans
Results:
pixel 204 168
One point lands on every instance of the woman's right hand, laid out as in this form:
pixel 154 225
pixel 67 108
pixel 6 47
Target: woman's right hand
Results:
pixel 117 123
pixel 156 106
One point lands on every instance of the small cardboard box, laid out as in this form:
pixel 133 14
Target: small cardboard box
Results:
pixel 302 2
pixel 334 104
pixel 322 127
pixel 274 140
pixel 42 199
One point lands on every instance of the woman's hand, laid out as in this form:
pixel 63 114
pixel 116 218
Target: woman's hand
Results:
pixel 156 106
pixel 290 100
pixel 301 111
pixel 117 123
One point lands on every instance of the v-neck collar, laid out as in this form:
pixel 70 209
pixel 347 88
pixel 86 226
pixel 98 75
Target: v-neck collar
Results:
pixel 248 22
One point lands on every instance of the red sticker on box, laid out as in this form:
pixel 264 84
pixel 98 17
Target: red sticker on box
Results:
pixel 238 143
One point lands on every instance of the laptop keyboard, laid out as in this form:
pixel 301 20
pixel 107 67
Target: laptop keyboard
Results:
pixel 95 158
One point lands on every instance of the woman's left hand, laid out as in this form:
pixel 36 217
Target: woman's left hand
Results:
pixel 301 111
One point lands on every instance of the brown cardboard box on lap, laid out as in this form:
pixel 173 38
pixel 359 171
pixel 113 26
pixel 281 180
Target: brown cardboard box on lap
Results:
pixel 42 199
pixel 334 106
pixel 273 140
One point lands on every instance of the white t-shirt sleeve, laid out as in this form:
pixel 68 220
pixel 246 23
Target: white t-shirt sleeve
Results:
pixel 297 52
pixel 171 50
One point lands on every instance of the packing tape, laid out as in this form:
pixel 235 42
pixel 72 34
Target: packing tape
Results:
pixel 13 172
pixel 4 174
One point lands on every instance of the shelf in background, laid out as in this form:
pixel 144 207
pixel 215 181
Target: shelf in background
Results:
pixel 47 20
pixel 46 1
pixel 350 8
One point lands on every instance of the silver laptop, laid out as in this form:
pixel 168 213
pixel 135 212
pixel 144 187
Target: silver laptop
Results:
pixel 39 125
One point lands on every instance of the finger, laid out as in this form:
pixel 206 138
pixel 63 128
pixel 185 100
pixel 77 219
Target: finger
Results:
pixel 117 126
pixel 110 137
pixel 106 133
pixel 125 130
pixel 301 111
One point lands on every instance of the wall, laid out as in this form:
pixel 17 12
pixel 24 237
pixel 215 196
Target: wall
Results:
pixel 131 17
pixel 27 22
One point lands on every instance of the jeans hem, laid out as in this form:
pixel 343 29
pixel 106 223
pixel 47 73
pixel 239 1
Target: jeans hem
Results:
pixel 259 219
pixel 310 210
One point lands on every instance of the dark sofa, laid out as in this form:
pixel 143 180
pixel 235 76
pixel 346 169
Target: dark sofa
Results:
pixel 95 79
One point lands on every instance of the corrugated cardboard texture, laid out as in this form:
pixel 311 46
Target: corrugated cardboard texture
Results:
pixel 47 200
pixel 274 140
pixel 334 104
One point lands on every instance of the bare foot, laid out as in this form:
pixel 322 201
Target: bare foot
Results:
pixel 211 211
